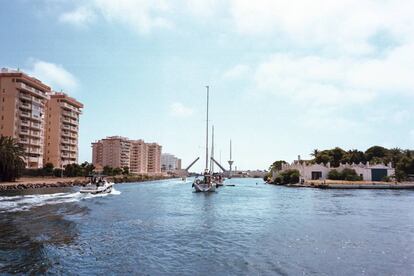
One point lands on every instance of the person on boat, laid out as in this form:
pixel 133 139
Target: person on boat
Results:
pixel 100 182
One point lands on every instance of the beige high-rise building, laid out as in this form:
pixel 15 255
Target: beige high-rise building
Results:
pixel 22 112
pixel 154 158
pixel 97 153
pixel 62 125
pixel 113 151
pixel 118 152
pixel 139 158
pixel 45 123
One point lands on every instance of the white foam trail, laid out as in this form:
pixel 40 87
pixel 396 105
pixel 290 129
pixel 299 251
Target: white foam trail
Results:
pixel 26 202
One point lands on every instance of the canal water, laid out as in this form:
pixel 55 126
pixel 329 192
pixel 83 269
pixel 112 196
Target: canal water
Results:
pixel 159 228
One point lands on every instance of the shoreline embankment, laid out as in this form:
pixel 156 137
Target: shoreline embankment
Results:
pixel 56 182
pixel 334 184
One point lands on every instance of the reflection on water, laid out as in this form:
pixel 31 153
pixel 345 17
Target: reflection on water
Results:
pixel 25 237
pixel 250 229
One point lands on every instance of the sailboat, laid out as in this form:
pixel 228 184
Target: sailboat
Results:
pixel 206 183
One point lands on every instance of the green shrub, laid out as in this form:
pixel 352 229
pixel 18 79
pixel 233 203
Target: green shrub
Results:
pixel 287 177
pixel 334 175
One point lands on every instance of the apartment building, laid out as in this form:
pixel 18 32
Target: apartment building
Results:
pixel 31 113
pixel 139 157
pixel 62 125
pixel 23 102
pixel 118 152
pixel 113 151
pixel 154 158
pixel 97 153
pixel 170 163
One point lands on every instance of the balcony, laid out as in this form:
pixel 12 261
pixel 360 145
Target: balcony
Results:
pixel 73 155
pixel 24 141
pixel 25 114
pixel 71 107
pixel 73 128
pixel 25 123
pixel 64 154
pixel 74 135
pixel 36 126
pixel 34 150
pixel 34 142
pixel 65 148
pixel 32 90
pixel 25 97
pixel 35 134
pixel 66 134
pixel 70 114
pixel 37 118
pixel 65 141
pixel 36 100
pixel 66 127
pixel 24 131
pixel 26 106
pixel 33 159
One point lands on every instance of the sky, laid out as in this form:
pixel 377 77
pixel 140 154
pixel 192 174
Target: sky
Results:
pixel 285 77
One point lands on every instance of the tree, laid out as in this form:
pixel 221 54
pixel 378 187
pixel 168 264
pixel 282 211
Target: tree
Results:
pixel 375 151
pixel 87 168
pixel 73 170
pixel 125 170
pixel 11 159
pixel 107 170
pixel 117 171
pixel 277 165
pixel 48 169
pixel 315 153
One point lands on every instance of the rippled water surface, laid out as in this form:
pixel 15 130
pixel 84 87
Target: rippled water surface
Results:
pixel 250 229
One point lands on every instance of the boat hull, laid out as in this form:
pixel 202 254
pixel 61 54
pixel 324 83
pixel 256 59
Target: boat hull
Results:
pixel 106 189
pixel 204 188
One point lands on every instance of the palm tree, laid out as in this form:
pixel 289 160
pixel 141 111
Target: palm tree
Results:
pixel 315 153
pixel 11 159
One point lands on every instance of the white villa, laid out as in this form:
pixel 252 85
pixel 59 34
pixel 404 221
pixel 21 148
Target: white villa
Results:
pixel 368 172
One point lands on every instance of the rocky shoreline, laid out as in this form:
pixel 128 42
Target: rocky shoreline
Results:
pixel 51 182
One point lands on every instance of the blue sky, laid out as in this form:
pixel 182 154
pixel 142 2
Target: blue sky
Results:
pixel 286 77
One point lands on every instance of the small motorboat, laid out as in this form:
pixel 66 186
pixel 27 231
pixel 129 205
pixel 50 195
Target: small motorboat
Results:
pixel 98 185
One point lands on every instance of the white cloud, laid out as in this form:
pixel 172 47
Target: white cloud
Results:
pixel 53 74
pixel 79 17
pixel 317 80
pixel 178 109
pixel 141 15
pixel 237 72
pixel 343 27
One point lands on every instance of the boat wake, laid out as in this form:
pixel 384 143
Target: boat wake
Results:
pixel 26 202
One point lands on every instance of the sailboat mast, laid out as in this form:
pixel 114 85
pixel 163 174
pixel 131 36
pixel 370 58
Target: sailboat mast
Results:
pixel 212 150
pixel 207 129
